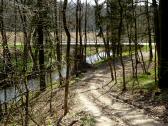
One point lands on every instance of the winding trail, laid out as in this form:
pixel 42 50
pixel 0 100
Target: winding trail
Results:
pixel 95 97
pixel 106 109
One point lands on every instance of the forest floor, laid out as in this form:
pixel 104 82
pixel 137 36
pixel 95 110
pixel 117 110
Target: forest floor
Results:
pixel 95 100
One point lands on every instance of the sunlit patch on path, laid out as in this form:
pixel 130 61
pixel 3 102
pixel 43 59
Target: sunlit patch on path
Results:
pixel 109 111
pixel 131 116
pixel 92 108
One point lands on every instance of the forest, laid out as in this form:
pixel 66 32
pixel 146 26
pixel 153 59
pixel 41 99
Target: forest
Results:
pixel 83 63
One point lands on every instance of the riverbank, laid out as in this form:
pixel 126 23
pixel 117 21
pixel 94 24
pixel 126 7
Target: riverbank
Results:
pixel 12 92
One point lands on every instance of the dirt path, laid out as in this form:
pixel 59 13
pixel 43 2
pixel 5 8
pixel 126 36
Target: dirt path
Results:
pixel 106 109
pixel 95 97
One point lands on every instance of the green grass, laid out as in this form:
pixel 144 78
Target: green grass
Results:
pixel 145 82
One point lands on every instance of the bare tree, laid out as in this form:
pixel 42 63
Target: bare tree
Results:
pixel 67 57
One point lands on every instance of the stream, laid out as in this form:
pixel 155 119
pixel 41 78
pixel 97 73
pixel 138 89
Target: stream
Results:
pixel 11 93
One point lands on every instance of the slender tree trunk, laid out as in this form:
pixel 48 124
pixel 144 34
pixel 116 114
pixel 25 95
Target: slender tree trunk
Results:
pixel 26 120
pixel 120 46
pixel 157 33
pixel 41 45
pixel 136 47
pixel 135 39
pixel 15 36
pixel 1 111
pixel 50 81
pixel 58 45
pixel 67 57
pixel 80 33
pixel 149 32
pixel 76 44
pixel 86 11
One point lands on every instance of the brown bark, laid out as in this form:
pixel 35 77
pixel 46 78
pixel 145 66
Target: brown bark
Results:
pixel 41 44
pixel 120 46
pixel 67 57
pixel 76 44
pixel 58 43
pixel 163 69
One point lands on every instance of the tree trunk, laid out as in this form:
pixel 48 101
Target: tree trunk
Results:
pixel 120 46
pixel 157 32
pixel 163 78
pixel 57 40
pixel 149 32
pixel 15 37
pixel 67 57
pixel 86 11
pixel 76 44
pixel 80 34
pixel 1 111
pixel 26 103
pixel 41 45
